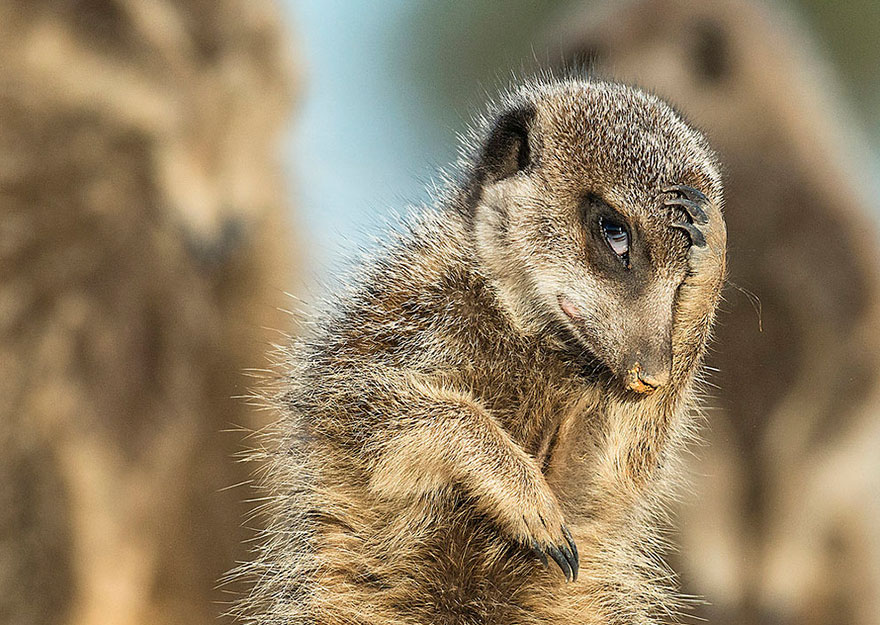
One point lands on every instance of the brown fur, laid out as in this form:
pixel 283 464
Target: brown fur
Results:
pixel 783 524
pixel 447 413
pixel 140 253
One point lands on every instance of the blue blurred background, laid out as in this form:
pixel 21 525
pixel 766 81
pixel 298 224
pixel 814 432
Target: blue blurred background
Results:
pixel 361 144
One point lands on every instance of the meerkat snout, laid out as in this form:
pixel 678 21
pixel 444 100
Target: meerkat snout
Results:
pixel 648 367
pixel 644 365
pixel 645 381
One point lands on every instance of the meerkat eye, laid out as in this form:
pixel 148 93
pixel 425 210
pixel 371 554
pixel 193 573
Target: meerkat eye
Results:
pixel 617 237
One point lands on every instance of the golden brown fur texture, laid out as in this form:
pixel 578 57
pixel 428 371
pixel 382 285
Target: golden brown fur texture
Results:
pixel 140 254
pixel 783 524
pixel 467 402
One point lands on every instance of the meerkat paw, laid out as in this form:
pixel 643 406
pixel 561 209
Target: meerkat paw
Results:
pixel 701 220
pixel 541 528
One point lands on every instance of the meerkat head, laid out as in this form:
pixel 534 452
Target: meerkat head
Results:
pixel 567 206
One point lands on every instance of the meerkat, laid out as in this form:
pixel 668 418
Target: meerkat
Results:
pixel 782 526
pixel 143 248
pixel 485 428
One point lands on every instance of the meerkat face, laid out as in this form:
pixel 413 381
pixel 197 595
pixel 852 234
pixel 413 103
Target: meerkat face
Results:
pixel 570 219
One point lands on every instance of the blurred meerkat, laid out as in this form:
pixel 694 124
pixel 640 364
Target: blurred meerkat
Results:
pixel 507 384
pixel 142 249
pixel 783 527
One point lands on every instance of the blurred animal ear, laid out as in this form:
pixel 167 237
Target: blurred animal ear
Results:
pixel 711 54
pixel 507 150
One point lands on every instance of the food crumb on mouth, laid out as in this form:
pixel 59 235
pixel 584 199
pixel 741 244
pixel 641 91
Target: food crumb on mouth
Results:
pixel 635 382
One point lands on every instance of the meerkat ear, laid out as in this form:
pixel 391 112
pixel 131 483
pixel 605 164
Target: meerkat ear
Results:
pixel 506 150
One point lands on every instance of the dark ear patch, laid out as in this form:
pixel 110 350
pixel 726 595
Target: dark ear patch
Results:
pixel 507 150
pixel 711 52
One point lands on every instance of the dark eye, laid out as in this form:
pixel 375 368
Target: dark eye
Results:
pixel 617 237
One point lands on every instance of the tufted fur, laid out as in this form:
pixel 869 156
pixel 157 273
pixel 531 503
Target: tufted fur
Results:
pixel 446 414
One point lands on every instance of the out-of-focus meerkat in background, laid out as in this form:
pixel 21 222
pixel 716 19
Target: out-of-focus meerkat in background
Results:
pixel 784 522
pixel 142 251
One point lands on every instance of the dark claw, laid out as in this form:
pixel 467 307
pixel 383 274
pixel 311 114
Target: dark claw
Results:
pixel 575 560
pixel 694 195
pixel 536 549
pixel 697 238
pixel 556 554
pixel 693 209
pixel 570 559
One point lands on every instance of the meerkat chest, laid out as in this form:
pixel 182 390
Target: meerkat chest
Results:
pixel 536 406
